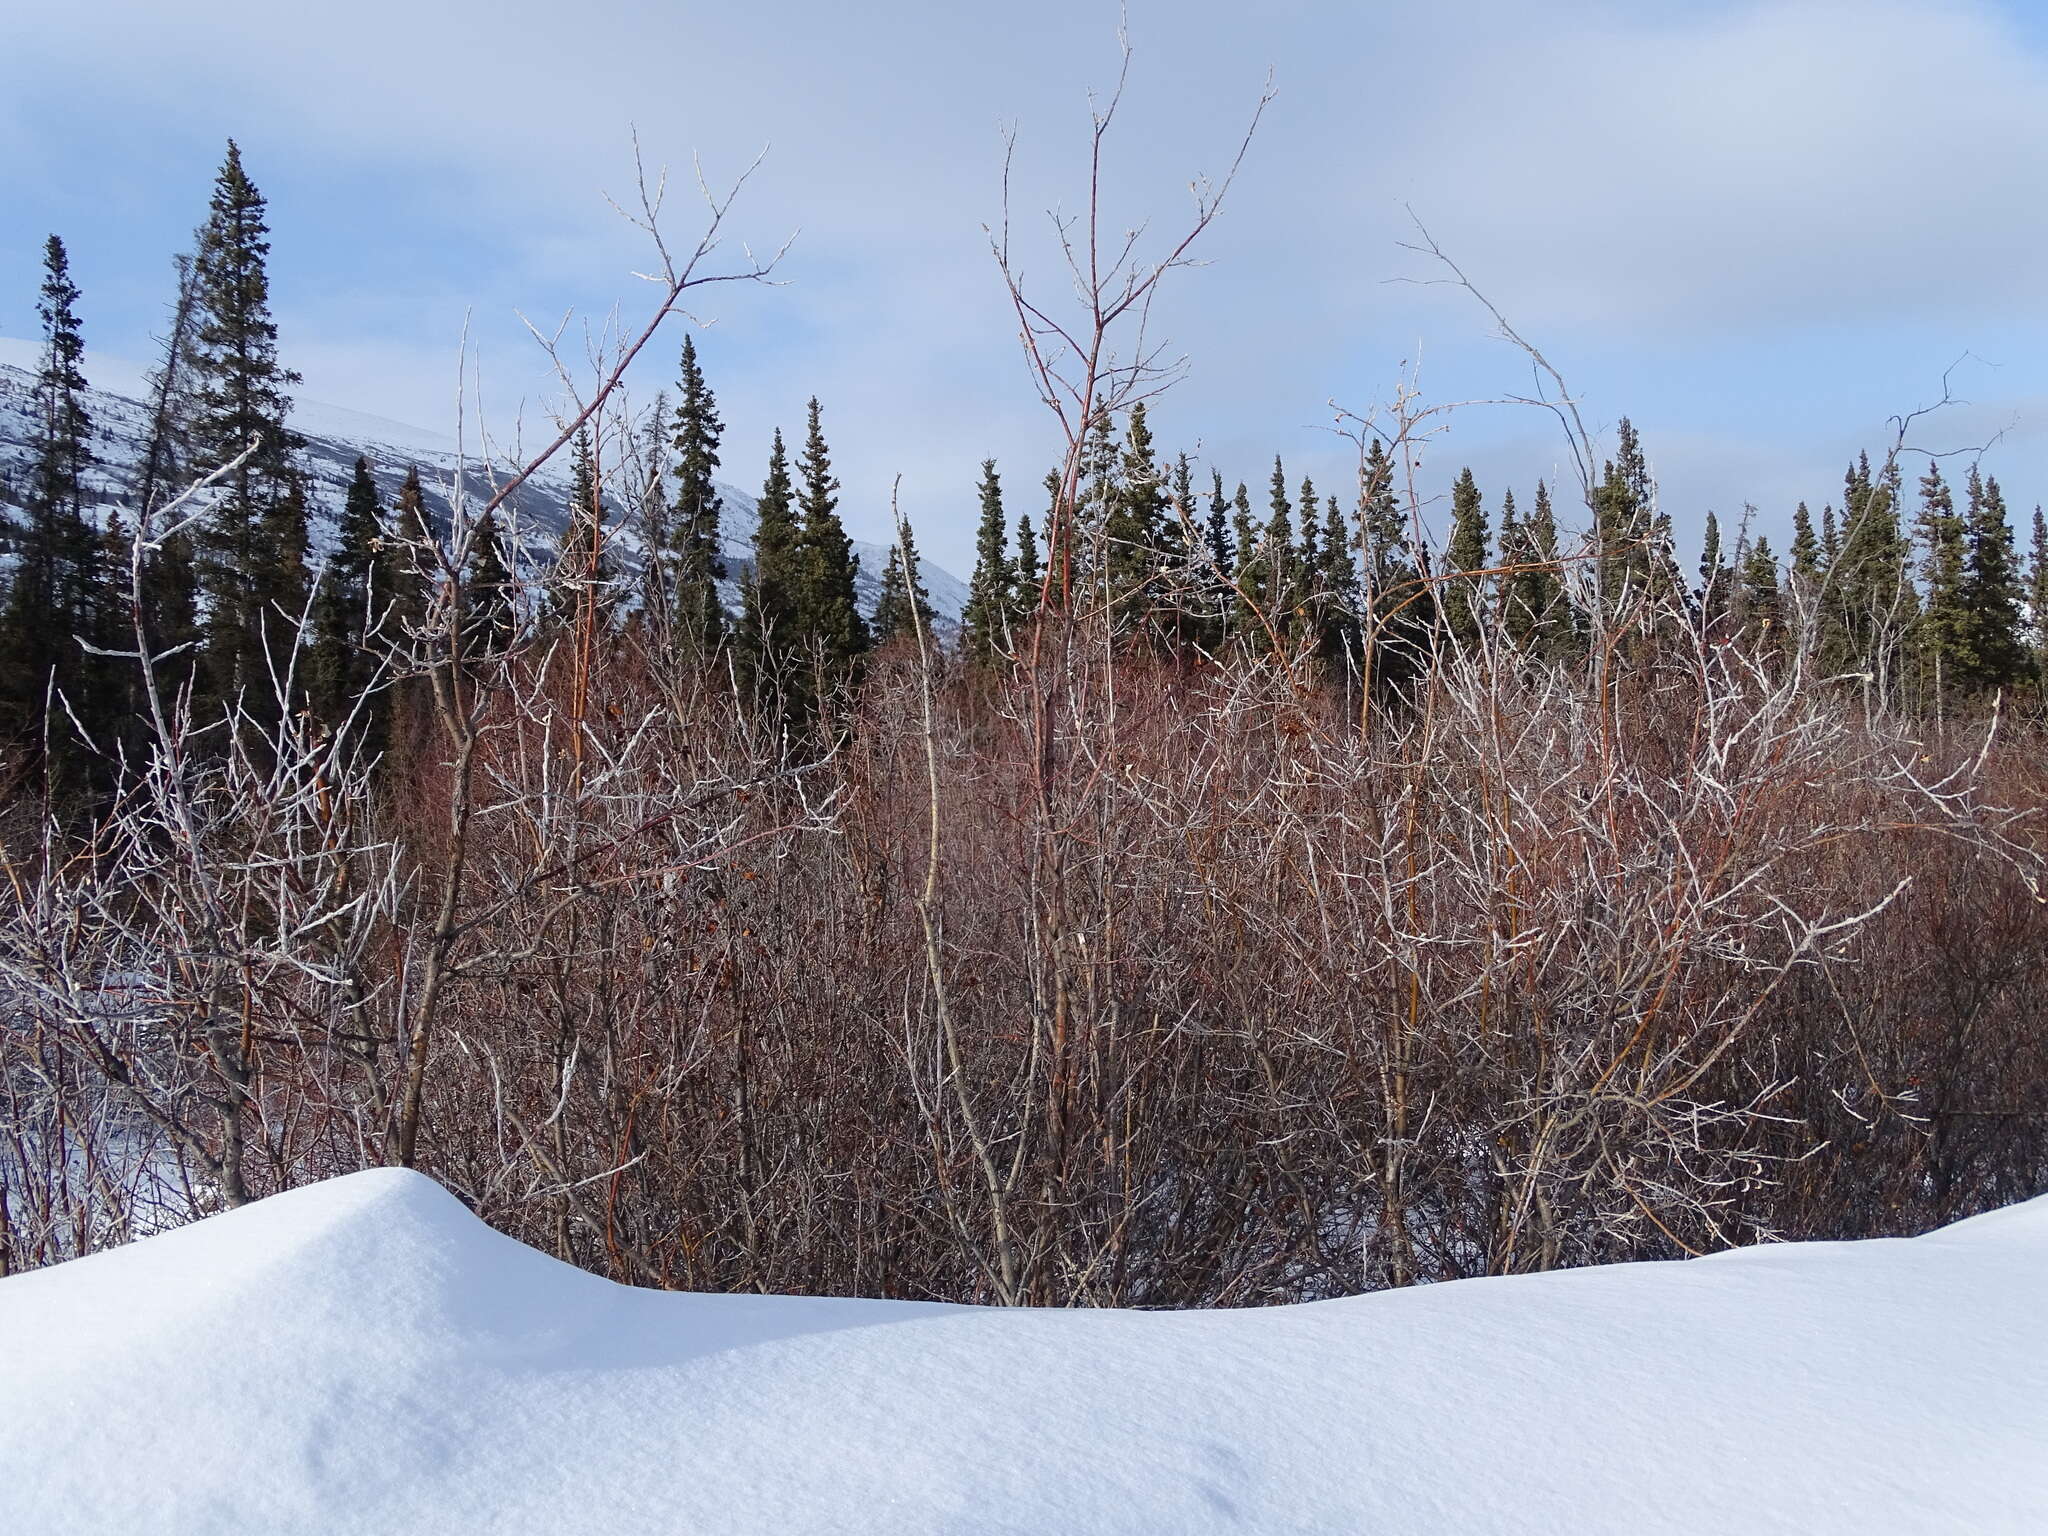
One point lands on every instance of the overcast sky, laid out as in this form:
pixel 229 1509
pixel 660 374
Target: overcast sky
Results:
pixel 1759 230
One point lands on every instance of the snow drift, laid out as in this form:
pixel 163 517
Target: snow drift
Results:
pixel 365 1355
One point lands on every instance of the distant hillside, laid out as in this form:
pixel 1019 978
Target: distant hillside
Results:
pixel 336 436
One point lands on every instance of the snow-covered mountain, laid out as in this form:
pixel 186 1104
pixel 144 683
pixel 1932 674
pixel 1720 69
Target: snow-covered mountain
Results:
pixel 335 436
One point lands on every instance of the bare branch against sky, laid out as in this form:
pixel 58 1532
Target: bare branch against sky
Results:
pixel 1759 230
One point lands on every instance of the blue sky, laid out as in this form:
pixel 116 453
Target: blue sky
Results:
pixel 1760 230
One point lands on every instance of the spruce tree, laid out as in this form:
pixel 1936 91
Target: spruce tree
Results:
pixel 1213 587
pixel 1799 598
pixel 1992 592
pixel 583 567
pixel 1623 525
pixel 1075 553
pixel 171 605
pixel 1717 580
pixel 696 558
pixel 1030 578
pixel 54 598
pixel 1134 515
pixel 348 607
pixel 904 606
pixel 829 616
pixel 1281 584
pixel 1246 571
pixel 892 604
pixel 1517 622
pixel 1399 609
pixel 653 520
pixel 770 611
pixel 1337 582
pixel 2037 595
pixel 1762 617
pixel 1806 558
pixel 172 616
pixel 1466 551
pixel 490 597
pixel 991 593
pixel 408 567
pixel 1308 545
pixel 1869 605
pixel 252 546
pixel 112 681
pixel 1185 593
pixel 1944 625
pixel 166 450
pixel 1222 550
pixel 1555 630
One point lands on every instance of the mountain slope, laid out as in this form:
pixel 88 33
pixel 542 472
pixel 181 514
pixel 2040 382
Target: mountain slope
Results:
pixel 336 436
pixel 366 1356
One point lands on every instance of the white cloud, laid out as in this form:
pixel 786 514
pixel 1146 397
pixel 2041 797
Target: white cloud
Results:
pixel 1646 187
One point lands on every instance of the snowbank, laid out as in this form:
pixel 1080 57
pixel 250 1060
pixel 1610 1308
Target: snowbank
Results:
pixel 365 1356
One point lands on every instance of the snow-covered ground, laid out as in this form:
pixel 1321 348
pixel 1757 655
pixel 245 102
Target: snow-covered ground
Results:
pixel 365 1356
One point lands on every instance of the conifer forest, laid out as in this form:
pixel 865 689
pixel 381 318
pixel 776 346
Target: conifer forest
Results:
pixel 1252 890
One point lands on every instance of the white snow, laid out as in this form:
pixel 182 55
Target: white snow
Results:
pixel 366 1356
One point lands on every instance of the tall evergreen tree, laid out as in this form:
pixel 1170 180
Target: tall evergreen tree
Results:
pixel 1309 544
pixel 172 617
pixel 1079 558
pixel 1717 579
pixel 1030 576
pixel 696 557
pixel 1269 564
pixel 1282 578
pixel 1399 609
pixel 1247 571
pixel 1806 559
pixel 1760 605
pixel 1554 631
pixel 1799 597
pixel 904 606
pixel 829 616
pixel 1992 592
pixel 1517 622
pixel 1134 525
pixel 770 612
pixel 1338 587
pixel 348 607
pixel 1623 525
pixel 1869 606
pixel 169 385
pixel 408 567
pixel 2037 595
pixel 252 547
pixel 1213 566
pixel 1944 623
pixel 113 683
pixel 1186 590
pixel 647 449
pixel 583 566
pixel 1466 551
pixel 991 594
pixel 1222 550
pixel 54 600
pixel 171 607
pixel 490 592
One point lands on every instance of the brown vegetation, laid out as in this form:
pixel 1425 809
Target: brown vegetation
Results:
pixel 1205 996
